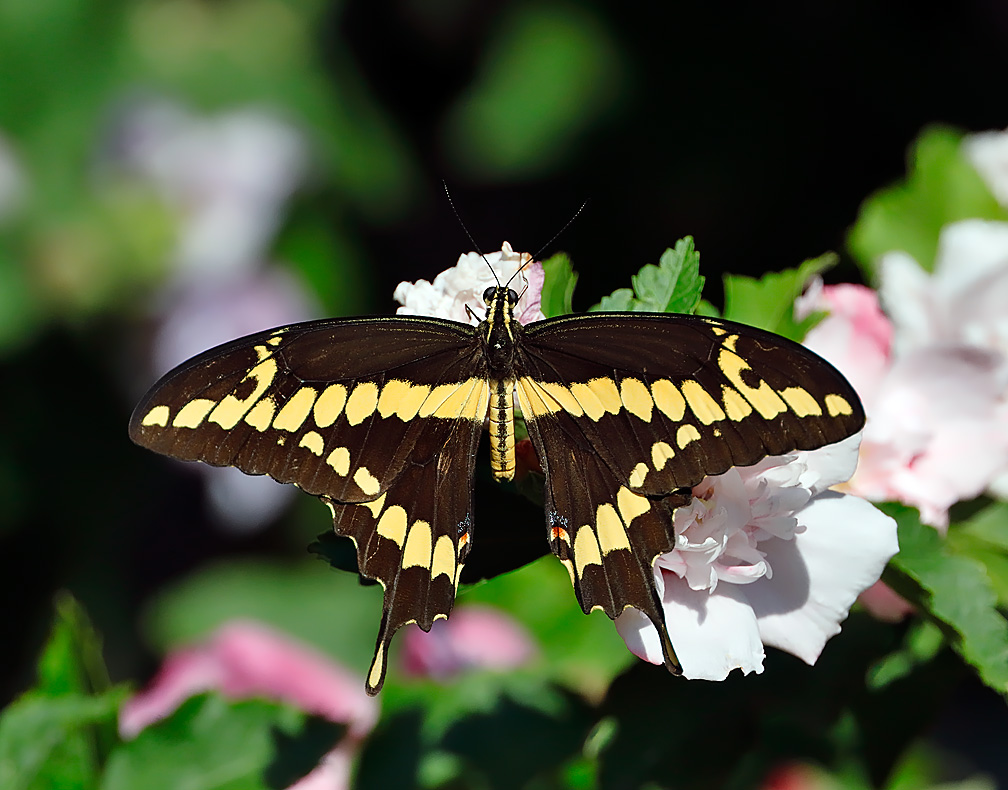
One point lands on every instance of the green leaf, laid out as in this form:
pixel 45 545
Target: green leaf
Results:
pixel 922 642
pixel 984 538
pixel 954 590
pixel 213 744
pixel 768 303
pixel 549 73
pixel 295 597
pixel 941 187
pixel 61 733
pixel 558 288
pixel 580 650
pixel 71 661
pixel 48 742
pixel 673 286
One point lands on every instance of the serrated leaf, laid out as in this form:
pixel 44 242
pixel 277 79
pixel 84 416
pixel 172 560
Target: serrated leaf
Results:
pixel 941 187
pixel 558 287
pixel 48 742
pixel 619 301
pixel 673 286
pixel 955 591
pixel 768 303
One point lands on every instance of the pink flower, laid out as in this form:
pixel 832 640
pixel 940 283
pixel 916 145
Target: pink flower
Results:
pixel 463 285
pixel 245 659
pixel 937 429
pixel 476 637
pixel 765 555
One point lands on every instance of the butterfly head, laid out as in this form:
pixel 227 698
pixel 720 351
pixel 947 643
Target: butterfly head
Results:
pixel 499 327
pixel 496 293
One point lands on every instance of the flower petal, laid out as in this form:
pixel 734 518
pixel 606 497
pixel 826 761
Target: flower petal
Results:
pixel 818 576
pixel 712 634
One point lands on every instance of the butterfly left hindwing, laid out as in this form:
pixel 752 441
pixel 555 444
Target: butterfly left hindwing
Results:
pixel 628 411
pixel 382 424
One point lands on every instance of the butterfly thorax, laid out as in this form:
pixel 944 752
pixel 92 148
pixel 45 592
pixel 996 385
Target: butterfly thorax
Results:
pixel 499 332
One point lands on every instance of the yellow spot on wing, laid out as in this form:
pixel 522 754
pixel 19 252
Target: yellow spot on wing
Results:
pixel 763 398
pixel 376 505
pixel 468 401
pixel 835 405
pixel 587 400
pixel 361 403
pixel 700 401
pixel 686 434
pixel 660 455
pixel 729 342
pixel 586 549
pixel 230 409
pixel 611 535
pixel 192 414
pixel 377 667
pixel 443 561
pixel 339 460
pixel 607 394
pixel 329 405
pixel 392 395
pixel 737 407
pixel 637 475
pixel 417 552
pixel 392 525
pixel 801 402
pixel 412 401
pixel 668 399
pixel 630 505
pixel 261 415
pixel 366 481
pixel 156 416
pixel 533 400
pixel 636 398
pixel 563 396
pixel 313 442
pixel 295 411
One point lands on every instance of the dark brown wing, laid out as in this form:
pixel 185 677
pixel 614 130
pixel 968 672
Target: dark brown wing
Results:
pixel 626 409
pixel 379 417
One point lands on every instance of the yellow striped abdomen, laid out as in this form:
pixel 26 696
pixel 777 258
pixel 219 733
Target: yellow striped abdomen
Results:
pixel 502 434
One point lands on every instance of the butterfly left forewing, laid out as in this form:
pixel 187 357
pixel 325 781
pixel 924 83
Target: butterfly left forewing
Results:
pixel 378 417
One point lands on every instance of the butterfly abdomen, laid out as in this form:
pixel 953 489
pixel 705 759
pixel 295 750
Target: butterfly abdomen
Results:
pixel 502 434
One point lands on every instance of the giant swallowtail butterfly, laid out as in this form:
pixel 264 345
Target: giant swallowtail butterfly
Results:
pixel 381 419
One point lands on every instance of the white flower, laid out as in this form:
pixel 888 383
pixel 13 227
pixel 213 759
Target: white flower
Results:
pixel 958 314
pixel 963 301
pixel 227 177
pixel 463 285
pixel 765 555
pixel 988 151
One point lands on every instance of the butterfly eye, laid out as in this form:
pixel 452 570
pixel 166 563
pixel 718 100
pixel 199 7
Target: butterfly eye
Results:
pixel 512 297
pixel 488 294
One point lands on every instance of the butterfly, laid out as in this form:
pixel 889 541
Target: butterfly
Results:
pixel 381 418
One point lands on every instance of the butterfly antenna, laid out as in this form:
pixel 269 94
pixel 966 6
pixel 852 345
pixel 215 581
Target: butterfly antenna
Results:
pixel 567 224
pixel 467 233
